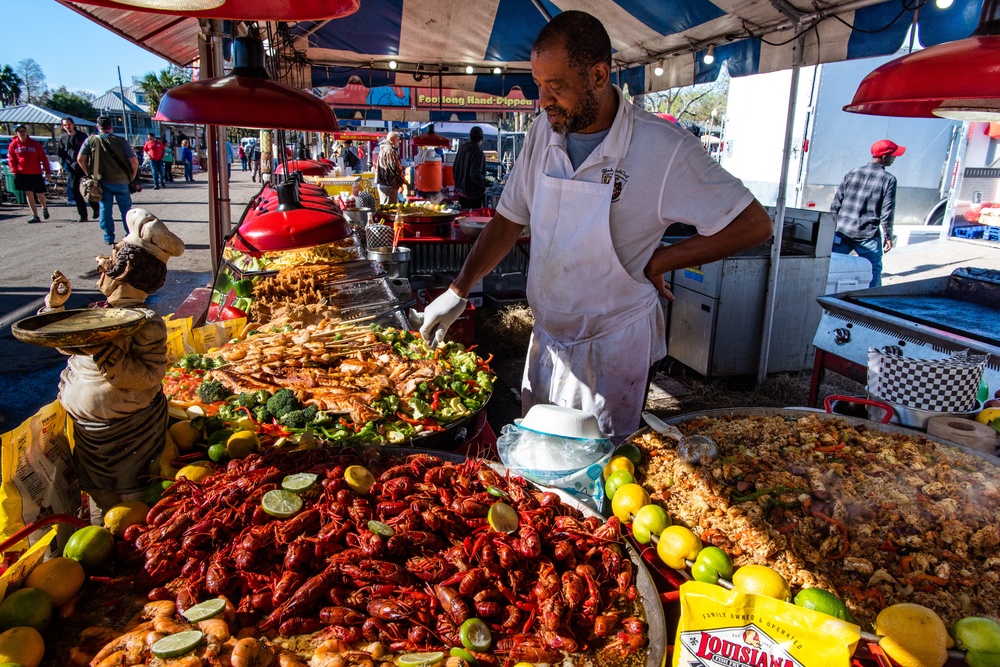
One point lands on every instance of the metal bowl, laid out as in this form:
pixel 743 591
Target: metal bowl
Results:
pixel 78 328
pixel 471 228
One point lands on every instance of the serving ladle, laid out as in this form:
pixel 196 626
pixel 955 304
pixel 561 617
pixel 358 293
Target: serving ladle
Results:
pixel 694 449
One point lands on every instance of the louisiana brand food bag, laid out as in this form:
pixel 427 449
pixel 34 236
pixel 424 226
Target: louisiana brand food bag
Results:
pixel 720 627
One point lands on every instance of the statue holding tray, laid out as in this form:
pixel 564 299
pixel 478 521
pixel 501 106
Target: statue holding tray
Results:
pixel 112 390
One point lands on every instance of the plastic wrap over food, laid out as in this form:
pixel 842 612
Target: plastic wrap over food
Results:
pixel 573 465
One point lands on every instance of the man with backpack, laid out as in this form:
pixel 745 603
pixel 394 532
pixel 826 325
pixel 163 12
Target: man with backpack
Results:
pixel 111 160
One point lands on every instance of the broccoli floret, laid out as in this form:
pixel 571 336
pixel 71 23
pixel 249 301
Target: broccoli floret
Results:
pixel 213 391
pixel 250 399
pixel 189 362
pixel 228 412
pixel 283 401
pixel 262 414
pixel 299 418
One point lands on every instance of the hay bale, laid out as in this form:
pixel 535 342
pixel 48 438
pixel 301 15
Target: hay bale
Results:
pixel 509 330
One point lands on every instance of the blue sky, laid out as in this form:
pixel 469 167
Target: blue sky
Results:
pixel 73 51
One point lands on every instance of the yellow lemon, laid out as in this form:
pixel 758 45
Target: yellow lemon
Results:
pixel 184 435
pixel 23 646
pixel 912 635
pixel 619 463
pixel 61 578
pixel 123 515
pixel 629 499
pixel 242 443
pixel 988 415
pixel 195 472
pixel 761 580
pixel 359 479
pixel 677 544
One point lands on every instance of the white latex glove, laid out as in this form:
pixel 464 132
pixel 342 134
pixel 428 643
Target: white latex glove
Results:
pixel 440 314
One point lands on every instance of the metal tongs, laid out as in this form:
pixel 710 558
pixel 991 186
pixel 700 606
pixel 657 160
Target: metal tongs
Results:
pixel 694 449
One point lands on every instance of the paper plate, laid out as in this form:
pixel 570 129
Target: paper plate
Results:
pixel 78 328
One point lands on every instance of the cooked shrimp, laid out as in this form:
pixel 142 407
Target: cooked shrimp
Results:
pixel 125 650
pixel 252 652
pixel 159 608
pixel 169 626
pixel 288 659
pixel 216 634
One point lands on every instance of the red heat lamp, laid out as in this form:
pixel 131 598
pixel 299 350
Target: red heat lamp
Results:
pixel 958 80
pixel 239 10
pixel 246 98
pixel 291 225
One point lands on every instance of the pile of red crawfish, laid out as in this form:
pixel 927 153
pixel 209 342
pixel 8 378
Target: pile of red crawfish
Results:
pixel 558 584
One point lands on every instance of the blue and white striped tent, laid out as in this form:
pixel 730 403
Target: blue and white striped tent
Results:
pixel 433 41
pixel 752 35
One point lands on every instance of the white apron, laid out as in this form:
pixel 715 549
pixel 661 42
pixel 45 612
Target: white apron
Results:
pixel 591 344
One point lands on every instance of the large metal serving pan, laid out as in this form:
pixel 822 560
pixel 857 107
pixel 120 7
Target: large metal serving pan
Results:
pixel 796 413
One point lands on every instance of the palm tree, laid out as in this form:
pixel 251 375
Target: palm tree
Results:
pixel 156 84
pixel 10 86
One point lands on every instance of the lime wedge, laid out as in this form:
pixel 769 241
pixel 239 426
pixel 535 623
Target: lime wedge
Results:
pixel 204 610
pixel 299 482
pixel 381 529
pixel 499 493
pixel 281 503
pixel 173 646
pixel 502 518
pixel 464 655
pixel 475 635
pixel 420 659
pixel 359 479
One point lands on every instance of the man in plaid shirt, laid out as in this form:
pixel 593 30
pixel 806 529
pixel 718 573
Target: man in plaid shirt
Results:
pixel 865 206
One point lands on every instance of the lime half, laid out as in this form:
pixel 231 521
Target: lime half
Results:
pixel 381 529
pixel 360 480
pixel 281 503
pixel 496 491
pixel 300 482
pixel 464 655
pixel 475 635
pixel 420 659
pixel 502 518
pixel 204 610
pixel 173 646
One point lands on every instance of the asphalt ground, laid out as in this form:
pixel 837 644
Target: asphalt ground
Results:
pixel 29 375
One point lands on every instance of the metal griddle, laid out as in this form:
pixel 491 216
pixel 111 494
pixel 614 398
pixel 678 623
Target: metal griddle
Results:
pixel 923 319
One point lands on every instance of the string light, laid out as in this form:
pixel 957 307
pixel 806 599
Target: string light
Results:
pixel 709 55
pixel 392 64
pixel 943 4
pixel 468 69
pixel 496 70
pixel 658 70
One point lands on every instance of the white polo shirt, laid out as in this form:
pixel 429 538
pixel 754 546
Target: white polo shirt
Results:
pixel 664 175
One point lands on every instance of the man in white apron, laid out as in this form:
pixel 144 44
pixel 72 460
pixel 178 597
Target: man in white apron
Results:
pixel 599 181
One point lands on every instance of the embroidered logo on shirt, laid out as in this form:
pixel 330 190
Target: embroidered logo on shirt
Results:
pixel 621 178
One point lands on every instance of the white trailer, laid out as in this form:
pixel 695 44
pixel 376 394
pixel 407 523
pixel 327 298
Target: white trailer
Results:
pixel 828 142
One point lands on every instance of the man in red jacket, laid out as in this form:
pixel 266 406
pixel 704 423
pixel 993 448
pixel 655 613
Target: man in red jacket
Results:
pixel 155 149
pixel 27 161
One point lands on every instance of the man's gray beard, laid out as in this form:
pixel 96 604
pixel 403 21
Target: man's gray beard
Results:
pixel 582 117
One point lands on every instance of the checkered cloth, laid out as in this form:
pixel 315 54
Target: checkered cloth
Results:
pixel 379 236
pixel 938 385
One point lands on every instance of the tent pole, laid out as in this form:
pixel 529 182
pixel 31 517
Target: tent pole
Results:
pixel 779 218
pixel 215 142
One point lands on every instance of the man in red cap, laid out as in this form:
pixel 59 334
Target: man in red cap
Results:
pixel 865 206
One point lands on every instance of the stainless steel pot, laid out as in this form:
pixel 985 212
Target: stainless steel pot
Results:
pixel 395 261
pixel 358 217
